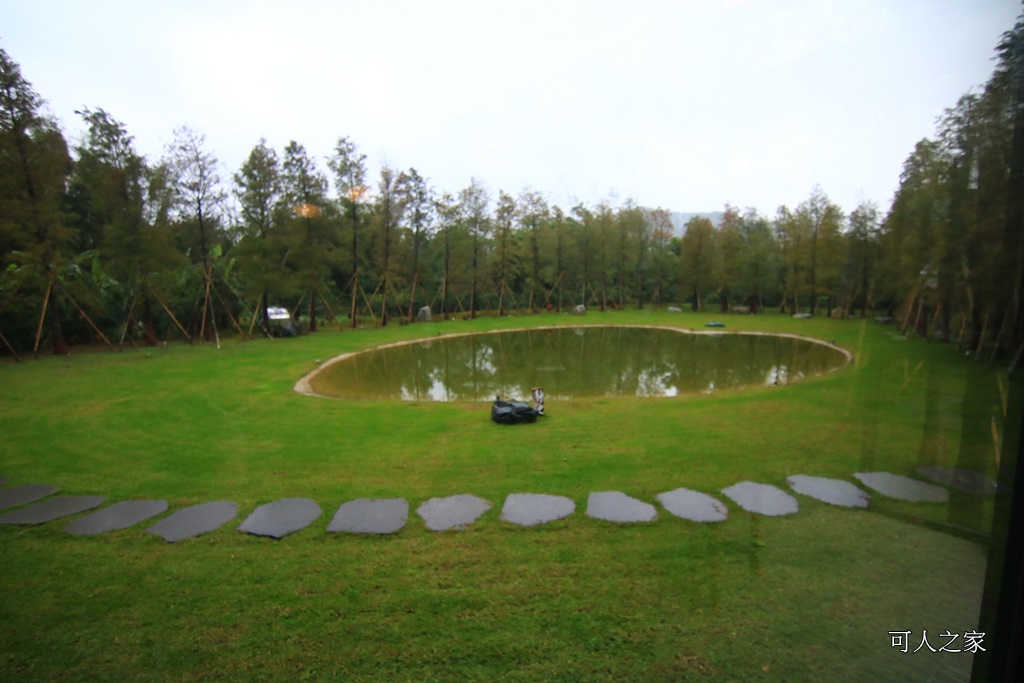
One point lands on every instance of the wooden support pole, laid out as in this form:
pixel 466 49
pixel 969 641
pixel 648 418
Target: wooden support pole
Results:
pixel 227 309
pixel 9 347
pixel 960 337
pixel 88 319
pixel 128 322
pixel 298 305
pixel 981 339
pixel 255 312
pixel 999 339
pixel 180 327
pixel 42 317
pixel 206 305
pixel 327 305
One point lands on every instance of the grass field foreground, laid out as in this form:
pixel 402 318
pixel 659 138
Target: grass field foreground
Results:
pixel 810 596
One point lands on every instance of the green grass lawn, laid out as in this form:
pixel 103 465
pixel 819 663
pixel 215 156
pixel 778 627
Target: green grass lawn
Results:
pixel 810 596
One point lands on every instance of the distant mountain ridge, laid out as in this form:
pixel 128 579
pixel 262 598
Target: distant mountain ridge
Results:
pixel 679 220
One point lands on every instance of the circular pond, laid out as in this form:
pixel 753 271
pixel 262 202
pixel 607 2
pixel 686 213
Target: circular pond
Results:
pixel 572 362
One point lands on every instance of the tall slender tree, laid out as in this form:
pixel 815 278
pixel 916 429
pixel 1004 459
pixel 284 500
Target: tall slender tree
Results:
pixel 262 248
pixel 418 199
pixel 349 168
pixel 110 185
pixel 305 194
pixel 533 214
pixel 474 200
pixel 35 237
pixel 389 209
pixel 200 197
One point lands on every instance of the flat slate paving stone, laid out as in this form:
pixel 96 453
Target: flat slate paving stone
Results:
pixel 194 521
pixel 371 516
pixel 530 509
pixel 118 516
pixel 52 509
pixel 963 480
pixel 453 512
pixel 762 499
pixel 693 505
pixel 903 488
pixel 25 493
pixel 615 506
pixel 834 491
pixel 282 517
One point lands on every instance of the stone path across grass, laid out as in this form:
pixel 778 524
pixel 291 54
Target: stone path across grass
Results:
pixel 963 480
pixel 118 516
pixel 51 509
pixel 693 505
pixel 26 493
pixel 282 517
pixel 389 515
pixel 531 509
pixel 834 491
pixel 194 521
pixel 903 488
pixel 762 499
pixel 371 516
pixel 453 512
pixel 615 506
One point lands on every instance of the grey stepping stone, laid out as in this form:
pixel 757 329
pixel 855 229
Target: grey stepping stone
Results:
pixel 371 516
pixel 834 491
pixel 52 509
pixel 118 516
pixel 615 506
pixel 762 499
pixel 3 480
pixel 26 493
pixel 693 505
pixel 903 488
pixel 530 509
pixel 453 512
pixel 194 521
pixel 963 480
pixel 282 517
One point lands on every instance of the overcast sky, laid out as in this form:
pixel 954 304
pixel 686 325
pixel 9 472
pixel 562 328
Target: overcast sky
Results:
pixel 683 105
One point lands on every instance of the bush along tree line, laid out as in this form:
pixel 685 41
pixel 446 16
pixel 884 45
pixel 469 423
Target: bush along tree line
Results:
pixel 100 245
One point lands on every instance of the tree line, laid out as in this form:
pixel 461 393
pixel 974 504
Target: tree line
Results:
pixel 99 244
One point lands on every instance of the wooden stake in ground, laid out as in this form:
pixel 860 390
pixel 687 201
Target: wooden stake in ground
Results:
pixel 981 339
pixel 42 317
pixel 88 319
pixel 127 323
pixel 180 326
pixel 9 347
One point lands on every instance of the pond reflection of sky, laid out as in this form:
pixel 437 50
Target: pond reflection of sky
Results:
pixel 574 363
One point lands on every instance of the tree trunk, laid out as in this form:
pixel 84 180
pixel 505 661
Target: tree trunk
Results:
pixel 60 347
pixel 147 316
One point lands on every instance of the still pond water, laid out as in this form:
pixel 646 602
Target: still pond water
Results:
pixel 574 362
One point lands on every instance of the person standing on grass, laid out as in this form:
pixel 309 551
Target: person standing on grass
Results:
pixel 538 400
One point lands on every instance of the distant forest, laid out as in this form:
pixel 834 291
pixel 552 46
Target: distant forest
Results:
pixel 99 245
